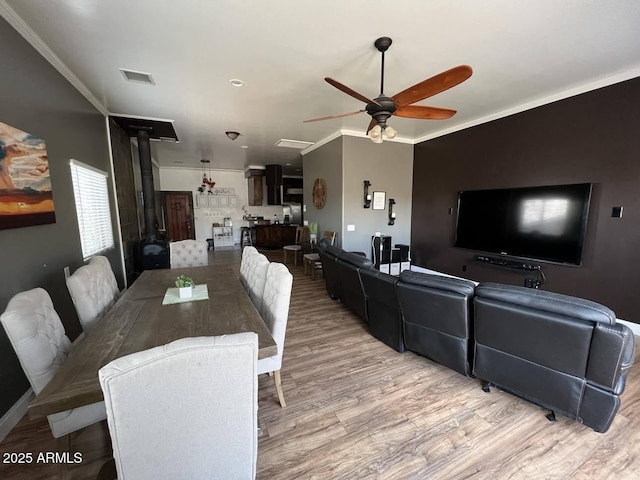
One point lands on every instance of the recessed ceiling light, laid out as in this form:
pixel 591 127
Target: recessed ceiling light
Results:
pixel 236 82
pixel 245 146
pixel 138 77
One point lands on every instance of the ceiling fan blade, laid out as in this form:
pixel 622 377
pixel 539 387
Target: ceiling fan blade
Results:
pixel 348 91
pixel 333 116
pixel 432 86
pixel 428 113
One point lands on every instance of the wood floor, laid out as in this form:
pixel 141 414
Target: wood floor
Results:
pixel 357 409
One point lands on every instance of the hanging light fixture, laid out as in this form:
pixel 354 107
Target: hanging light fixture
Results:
pixel 207 183
pixel 382 132
pixel 232 135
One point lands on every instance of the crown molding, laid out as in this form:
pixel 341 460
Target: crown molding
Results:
pixel 36 42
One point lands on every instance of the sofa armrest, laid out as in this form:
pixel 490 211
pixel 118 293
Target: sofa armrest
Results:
pixel 610 356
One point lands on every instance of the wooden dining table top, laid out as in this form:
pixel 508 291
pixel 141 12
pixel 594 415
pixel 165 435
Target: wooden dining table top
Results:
pixel 138 321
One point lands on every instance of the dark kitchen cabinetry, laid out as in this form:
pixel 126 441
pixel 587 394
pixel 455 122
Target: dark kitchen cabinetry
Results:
pixel 275 236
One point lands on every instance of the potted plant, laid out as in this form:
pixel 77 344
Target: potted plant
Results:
pixel 185 286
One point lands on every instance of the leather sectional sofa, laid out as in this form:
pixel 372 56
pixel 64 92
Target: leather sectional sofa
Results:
pixel 562 353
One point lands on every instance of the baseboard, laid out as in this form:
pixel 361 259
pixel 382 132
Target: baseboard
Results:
pixel 15 413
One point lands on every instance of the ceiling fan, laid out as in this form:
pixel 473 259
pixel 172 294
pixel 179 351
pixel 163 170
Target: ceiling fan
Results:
pixel 400 104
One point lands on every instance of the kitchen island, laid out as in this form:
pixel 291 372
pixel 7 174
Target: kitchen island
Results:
pixel 275 236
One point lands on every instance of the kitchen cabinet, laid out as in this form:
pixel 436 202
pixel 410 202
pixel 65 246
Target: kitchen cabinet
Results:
pixel 275 236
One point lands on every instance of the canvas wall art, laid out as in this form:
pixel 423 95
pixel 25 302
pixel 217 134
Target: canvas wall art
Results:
pixel 25 186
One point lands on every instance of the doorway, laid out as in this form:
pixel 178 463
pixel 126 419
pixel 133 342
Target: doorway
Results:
pixel 178 215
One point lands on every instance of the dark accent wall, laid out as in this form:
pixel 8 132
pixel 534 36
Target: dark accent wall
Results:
pixel 593 137
pixel 35 98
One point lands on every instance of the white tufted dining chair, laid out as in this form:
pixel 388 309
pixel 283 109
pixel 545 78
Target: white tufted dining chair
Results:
pixel 108 274
pixel 275 312
pixel 247 253
pixel 186 410
pixel 92 292
pixel 257 278
pixel 38 338
pixel 189 253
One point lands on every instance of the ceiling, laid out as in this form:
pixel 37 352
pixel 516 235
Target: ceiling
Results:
pixel 523 54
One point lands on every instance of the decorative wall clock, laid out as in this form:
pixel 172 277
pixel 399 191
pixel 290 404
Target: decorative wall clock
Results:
pixel 319 193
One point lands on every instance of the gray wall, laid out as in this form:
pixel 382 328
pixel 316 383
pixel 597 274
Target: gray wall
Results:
pixel 593 138
pixel 35 98
pixel 325 162
pixel 388 166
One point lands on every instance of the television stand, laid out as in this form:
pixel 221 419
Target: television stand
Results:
pixel 504 262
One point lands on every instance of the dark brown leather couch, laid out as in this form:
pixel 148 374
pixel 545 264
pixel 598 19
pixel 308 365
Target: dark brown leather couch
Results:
pixel 349 266
pixel 437 315
pixel 383 311
pixel 563 353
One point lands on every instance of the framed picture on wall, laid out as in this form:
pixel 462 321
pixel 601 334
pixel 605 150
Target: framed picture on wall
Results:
pixel 223 201
pixel 213 201
pixel 202 200
pixel 378 200
pixel 233 200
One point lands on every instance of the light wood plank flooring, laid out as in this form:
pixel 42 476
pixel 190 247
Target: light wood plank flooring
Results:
pixel 357 409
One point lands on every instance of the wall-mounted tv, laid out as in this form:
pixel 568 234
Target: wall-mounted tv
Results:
pixel 541 223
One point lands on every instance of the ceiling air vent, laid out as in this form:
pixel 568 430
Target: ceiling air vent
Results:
pixel 293 144
pixel 138 77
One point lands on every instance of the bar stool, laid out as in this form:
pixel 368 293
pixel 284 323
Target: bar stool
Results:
pixel 245 235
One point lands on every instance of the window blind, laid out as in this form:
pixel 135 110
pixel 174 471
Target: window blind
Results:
pixel 92 207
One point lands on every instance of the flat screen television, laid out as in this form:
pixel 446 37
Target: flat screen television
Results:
pixel 540 223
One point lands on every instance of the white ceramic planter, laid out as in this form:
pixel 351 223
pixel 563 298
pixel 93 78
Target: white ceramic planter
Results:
pixel 185 292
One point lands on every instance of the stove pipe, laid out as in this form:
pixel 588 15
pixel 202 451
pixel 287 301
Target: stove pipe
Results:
pixel 148 192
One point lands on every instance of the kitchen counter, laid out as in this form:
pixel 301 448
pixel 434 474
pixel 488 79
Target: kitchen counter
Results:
pixel 275 236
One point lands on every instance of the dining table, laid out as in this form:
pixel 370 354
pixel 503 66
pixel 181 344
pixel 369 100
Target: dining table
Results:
pixel 139 321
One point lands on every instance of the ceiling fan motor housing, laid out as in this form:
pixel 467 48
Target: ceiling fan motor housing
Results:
pixel 382 110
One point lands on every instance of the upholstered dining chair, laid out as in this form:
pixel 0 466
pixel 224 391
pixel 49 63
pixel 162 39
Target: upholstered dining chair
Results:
pixel 257 278
pixel 247 253
pixel 108 274
pixel 189 253
pixel 38 338
pixel 275 313
pixel 302 236
pixel 92 291
pixel 311 261
pixel 185 410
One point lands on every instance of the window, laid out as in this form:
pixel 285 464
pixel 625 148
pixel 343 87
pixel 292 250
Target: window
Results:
pixel 92 207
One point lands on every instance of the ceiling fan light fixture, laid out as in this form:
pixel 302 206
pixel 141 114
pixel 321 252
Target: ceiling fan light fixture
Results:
pixel 390 133
pixel 375 134
pixel 232 135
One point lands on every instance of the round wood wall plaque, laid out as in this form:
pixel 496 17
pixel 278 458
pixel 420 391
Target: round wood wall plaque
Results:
pixel 319 193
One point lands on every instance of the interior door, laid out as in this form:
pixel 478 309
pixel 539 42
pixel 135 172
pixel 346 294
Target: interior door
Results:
pixel 178 212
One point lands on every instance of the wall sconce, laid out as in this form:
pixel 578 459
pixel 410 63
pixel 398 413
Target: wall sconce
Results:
pixel 367 195
pixel 392 214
